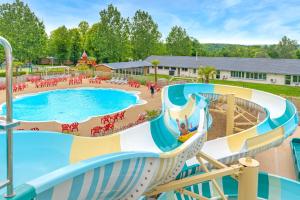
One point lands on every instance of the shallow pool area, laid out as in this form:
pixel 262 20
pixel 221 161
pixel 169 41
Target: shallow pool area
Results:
pixel 71 105
pixel 34 155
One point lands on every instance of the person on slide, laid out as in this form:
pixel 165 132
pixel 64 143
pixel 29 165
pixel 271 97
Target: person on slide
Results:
pixel 183 127
pixel 185 133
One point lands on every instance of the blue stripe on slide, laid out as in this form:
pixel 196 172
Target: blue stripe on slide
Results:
pixel 94 183
pixel 121 177
pixel 47 195
pixel 107 173
pixel 76 187
pixel 137 161
pixel 138 176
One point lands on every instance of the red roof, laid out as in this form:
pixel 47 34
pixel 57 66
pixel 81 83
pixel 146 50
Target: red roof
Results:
pixel 84 55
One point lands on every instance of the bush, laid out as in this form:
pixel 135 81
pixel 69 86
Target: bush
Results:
pixel 3 74
pixel 151 114
pixel 82 67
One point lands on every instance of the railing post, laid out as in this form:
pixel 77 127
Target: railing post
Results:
pixel 9 118
pixel 230 108
pixel 248 179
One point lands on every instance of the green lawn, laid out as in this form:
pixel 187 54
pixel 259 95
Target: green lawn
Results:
pixel 283 90
pixel 275 89
pixel 151 76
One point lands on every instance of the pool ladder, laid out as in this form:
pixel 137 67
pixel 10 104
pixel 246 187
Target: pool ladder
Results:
pixel 8 124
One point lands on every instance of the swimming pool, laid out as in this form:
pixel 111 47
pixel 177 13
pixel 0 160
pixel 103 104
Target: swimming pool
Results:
pixel 71 105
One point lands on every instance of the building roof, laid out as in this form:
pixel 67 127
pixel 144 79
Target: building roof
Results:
pixel 126 65
pixel 265 65
pixel 84 55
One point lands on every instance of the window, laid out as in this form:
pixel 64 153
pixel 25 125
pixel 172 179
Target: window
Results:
pixel 218 74
pixel 264 76
pixel 248 75
pixel 296 79
pixel 159 67
pixel 194 71
pixel 256 76
pixel 288 79
pixel 184 69
pixel 166 68
pixel 236 74
pixel 173 68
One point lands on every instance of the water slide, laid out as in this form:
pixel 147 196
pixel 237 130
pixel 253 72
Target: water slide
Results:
pixel 127 164
pixel 269 187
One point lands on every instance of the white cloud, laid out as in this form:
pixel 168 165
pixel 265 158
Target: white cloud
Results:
pixel 231 3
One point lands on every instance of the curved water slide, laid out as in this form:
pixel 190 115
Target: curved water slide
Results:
pixel 269 187
pixel 129 163
pixel 120 166
pixel 280 122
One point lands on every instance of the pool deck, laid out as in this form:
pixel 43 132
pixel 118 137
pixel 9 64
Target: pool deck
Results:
pixel 276 160
pixel 279 160
pixel 131 114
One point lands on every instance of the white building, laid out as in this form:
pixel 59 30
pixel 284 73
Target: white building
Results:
pixel 257 70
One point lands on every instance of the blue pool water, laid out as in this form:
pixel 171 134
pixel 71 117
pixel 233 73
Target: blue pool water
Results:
pixel 32 148
pixel 71 105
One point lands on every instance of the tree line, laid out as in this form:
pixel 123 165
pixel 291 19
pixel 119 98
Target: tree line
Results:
pixel 115 38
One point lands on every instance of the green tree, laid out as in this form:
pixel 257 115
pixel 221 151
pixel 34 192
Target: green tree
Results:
pixel 272 51
pixel 26 33
pixel 298 53
pixel 83 28
pixel 178 42
pixel 59 44
pixel 92 48
pixel 145 35
pixel 261 54
pixel 75 45
pixel 197 48
pixel 112 39
pixel 161 49
pixel 155 63
pixel 286 48
pixel 206 73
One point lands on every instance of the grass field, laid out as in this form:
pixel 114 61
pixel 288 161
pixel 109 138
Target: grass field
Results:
pixel 283 90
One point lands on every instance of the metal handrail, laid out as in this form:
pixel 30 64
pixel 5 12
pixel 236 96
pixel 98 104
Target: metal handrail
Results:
pixel 9 117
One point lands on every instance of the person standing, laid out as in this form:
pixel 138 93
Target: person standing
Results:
pixel 152 90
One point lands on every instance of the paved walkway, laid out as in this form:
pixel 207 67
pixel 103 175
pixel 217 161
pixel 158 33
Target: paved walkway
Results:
pixel 279 160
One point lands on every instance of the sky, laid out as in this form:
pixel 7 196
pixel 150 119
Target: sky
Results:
pixel 210 21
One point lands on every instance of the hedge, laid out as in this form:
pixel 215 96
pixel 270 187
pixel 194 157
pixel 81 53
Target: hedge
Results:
pixel 3 74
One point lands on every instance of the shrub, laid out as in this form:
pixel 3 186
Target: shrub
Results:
pixel 151 114
pixel 3 74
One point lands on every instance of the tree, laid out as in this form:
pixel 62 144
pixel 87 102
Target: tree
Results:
pixel 145 35
pixel 75 45
pixel 286 48
pixel 298 53
pixel 83 28
pixel 206 73
pixel 161 49
pixel 178 42
pixel 272 51
pixel 112 37
pixel 261 54
pixel 155 63
pixel 59 44
pixel 197 49
pixel 91 46
pixel 26 33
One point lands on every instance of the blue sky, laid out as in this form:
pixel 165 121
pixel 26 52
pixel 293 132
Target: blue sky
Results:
pixel 213 21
